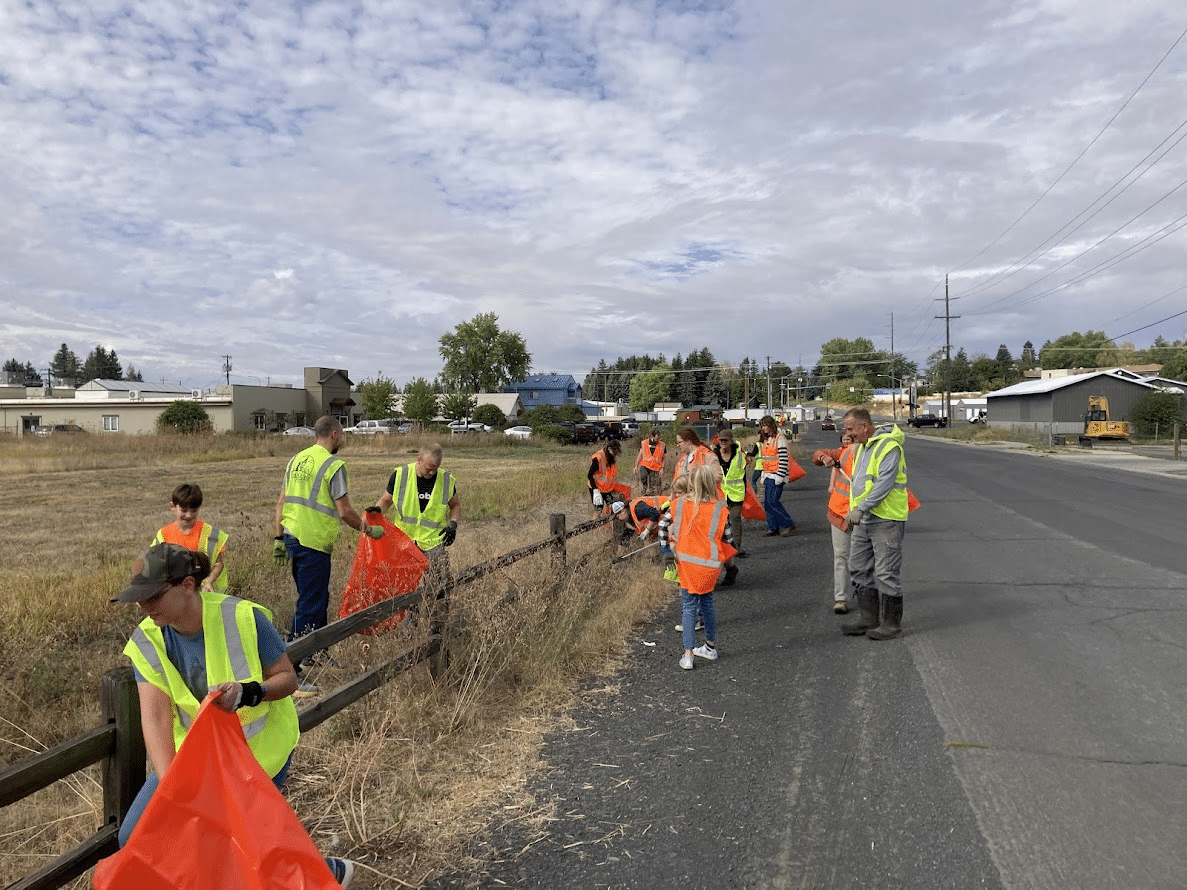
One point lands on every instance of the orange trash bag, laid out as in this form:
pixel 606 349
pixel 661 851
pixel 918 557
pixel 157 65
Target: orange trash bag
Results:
pixel 794 470
pixel 751 508
pixel 216 821
pixel 383 568
pixel 912 501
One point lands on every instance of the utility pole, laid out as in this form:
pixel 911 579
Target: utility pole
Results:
pixel 947 316
pixel 227 368
pixel 893 399
pixel 769 397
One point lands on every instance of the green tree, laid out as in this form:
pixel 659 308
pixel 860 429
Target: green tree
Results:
pixel 131 373
pixel 541 416
pixel 1175 367
pixel 841 359
pixel 1027 359
pixel 1076 350
pixel 23 372
pixel 650 387
pixel 571 413
pixel 1157 413
pixel 420 401
pixel 457 405
pixel 184 416
pixel 377 397
pixel 491 415
pixel 65 366
pixel 102 365
pixel 481 358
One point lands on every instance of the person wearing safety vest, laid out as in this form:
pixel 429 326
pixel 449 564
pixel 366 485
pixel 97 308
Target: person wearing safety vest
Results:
pixel 640 517
pixel 877 517
pixel 427 507
pixel 192 533
pixel 650 462
pixel 192 643
pixel 733 466
pixel 697 529
pixel 314 499
pixel 691 453
pixel 773 452
pixel 841 461
pixel 602 477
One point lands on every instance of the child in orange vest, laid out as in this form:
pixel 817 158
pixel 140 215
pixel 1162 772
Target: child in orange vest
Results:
pixel 697 529
pixel 190 532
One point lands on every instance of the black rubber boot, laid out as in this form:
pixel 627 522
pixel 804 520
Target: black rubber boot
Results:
pixel 867 613
pixel 892 620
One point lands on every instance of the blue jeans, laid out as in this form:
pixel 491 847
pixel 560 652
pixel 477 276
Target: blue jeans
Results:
pixel 311 573
pixel 136 810
pixel 876 555
pixel 777 515
pixel 689 603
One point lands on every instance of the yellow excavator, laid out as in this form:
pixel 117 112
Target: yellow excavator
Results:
pixel 1098 425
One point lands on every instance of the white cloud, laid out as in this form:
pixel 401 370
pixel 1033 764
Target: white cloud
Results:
pixel 341 185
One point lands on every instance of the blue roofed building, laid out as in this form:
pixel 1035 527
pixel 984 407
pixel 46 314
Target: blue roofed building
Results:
pixel 547 389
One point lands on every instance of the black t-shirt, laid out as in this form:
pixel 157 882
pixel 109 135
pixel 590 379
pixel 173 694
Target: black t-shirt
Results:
pixel 424 488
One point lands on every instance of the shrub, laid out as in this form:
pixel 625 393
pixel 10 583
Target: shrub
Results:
pixel 1157 413
pixel 184 416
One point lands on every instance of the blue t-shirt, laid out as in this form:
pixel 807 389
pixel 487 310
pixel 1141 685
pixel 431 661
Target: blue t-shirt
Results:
pixel 188 654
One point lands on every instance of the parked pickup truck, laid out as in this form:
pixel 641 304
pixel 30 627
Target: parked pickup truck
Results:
pixel 927 420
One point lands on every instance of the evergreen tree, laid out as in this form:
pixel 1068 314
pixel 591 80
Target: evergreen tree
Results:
pixel 65 366
pixel 102 365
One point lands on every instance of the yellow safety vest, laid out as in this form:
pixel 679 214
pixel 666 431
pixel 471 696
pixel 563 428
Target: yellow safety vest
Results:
pixel 894 505
pixel 310 514
pixel 734 483
pixel 424 527
pixel 232 654
pixel 212 540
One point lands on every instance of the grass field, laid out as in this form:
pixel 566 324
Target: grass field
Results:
pixel 406 780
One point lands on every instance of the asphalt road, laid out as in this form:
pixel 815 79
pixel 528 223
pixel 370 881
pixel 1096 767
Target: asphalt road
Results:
pixel 1027 731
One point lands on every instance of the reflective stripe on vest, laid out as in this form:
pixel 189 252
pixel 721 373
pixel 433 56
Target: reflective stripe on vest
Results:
pixel 310 514
pixel 894 505
pixel 606 472
pixel 698 529
pixel 652 459
pixel 689 462
pixel 232 654
pixel 422 526
pixel 657 501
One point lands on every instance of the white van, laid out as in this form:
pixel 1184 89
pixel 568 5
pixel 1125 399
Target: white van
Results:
pixel 371 427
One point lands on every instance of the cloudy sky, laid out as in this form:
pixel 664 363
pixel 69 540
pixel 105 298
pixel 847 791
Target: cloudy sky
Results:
pixel 340 183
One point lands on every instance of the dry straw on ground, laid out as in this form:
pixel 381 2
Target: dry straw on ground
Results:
pixel 405 781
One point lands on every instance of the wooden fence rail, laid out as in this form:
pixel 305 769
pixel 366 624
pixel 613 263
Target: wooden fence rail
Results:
pixel 119 743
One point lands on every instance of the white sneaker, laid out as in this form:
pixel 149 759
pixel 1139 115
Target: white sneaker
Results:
pixel 686 662
pixel 705 651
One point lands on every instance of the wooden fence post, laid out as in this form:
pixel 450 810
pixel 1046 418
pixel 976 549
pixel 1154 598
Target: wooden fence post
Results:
pixel 556 530
pixel 123 770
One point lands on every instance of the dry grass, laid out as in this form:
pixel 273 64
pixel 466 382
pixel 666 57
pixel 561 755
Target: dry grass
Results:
pixel 405 780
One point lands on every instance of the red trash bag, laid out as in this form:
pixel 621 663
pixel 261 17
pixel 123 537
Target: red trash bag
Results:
pixel 383 568
pixel 912 502
pixel 216 821
pixel 751 508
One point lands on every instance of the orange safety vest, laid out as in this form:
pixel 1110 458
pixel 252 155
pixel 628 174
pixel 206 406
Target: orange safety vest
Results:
pixel 657 501
pixel 697 458
pixel 770 455
pixel 652 460
pixel 606 473
pixel 839 484
pixel 696 536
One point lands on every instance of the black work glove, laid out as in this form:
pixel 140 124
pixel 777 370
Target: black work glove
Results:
pixel 373 510
pixel 450 534
pixel 253 694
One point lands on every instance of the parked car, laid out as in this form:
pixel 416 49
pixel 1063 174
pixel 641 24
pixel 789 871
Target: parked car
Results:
pixel 584 433
pixel 301 431
pixel 928 420
pixel 518 432
pixel 828 424
pixel 610 429
pixel 629 429
pixel 463 426
pixel 373 427
pixel 404 428
pixel 58 429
